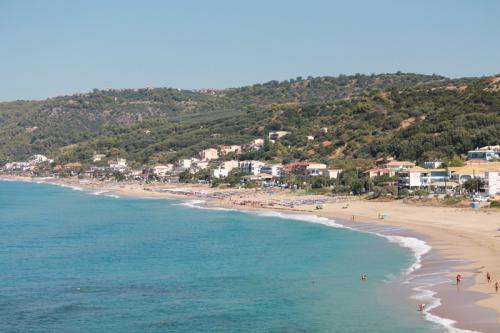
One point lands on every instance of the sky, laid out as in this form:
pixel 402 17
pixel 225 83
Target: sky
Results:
pixel 58 47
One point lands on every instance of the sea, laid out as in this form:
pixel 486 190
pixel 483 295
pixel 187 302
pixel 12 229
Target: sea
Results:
pixel 79 261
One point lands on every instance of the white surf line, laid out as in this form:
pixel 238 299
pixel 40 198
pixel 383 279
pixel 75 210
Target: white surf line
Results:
pixel 415 245
pixel 199 204
pixel 47 181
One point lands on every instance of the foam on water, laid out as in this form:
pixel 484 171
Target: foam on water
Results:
pixel 72 187
pixel 423 292
pixel 105 193
pixel 43 181
pixel 426 295
pixel 311 218
pixel 201 204
pixel 7 180
pixel 21 180
pixel 418 247
pixel 98 192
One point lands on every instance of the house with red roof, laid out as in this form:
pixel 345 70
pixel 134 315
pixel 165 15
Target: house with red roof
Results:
pixel 72 165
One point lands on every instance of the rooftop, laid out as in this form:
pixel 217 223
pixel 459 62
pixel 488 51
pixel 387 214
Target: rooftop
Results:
pixel 398 163
pixel 480 168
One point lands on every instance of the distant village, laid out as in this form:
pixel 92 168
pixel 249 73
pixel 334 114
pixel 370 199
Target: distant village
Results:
pixel 220 166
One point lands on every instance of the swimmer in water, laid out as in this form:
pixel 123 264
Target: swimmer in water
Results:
pixel 364 277
pixel 421 307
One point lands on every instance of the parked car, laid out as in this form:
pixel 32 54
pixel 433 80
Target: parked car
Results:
pixel 480 198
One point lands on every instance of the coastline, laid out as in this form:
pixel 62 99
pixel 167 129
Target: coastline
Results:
pixel 462 241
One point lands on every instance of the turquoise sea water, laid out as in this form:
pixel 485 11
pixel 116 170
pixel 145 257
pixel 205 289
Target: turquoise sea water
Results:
pixel 74 262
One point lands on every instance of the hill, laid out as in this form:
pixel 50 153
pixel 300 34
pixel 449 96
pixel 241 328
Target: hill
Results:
pixel 409 116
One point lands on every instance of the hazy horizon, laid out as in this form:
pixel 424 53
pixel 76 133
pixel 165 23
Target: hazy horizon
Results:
pixel 61 48
pixel 235 87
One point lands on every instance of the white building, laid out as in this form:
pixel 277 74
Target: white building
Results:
pixel 185 163
pixel 310 138
pixel 224 168
pixel 13 166
pixel 252 167
pixel 162 170
pixel 492 183
pixel 418 177
pixel 275 135
pixel 410 178
pixel 315 169
pixel 275 170
pixel 257 144
pixel 98 157
pixel 119 165
pixel 432 164
pixel 482 154
pixel 399 165
pixel 323 130
pixel 219 173
pixel 464 173
pixel 331 173
pixel 37 159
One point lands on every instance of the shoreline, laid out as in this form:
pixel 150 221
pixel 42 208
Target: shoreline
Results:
pixel 462 247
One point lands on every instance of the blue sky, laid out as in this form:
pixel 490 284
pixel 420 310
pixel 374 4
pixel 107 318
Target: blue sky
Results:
pixel 50 48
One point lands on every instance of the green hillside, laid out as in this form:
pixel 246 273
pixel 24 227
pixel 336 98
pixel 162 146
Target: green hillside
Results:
pixel 407 115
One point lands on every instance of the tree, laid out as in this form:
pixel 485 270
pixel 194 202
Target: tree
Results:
pixel 473 185
pixel 403 193
pixel 421 193
pixel 233 178
pixel 350 180
pixel 185 177
pixel 118 176
pixel 318 182
pixel 456 161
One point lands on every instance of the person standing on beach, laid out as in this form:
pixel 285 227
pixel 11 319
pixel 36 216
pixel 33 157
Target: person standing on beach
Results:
pixel 488 277
pixel 459 279
pixel 496 286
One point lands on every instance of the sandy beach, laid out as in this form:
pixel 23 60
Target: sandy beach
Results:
pixel 467 240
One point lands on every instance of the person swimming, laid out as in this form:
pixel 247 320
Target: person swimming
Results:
pixel 421 307
pixel 364 277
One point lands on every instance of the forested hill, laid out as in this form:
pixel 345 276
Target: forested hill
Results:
pixel 406 115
